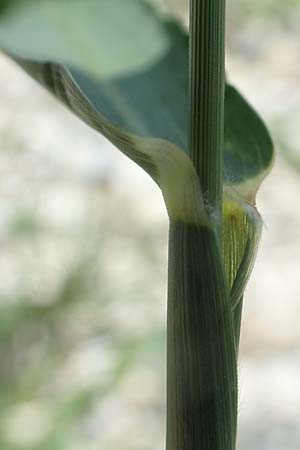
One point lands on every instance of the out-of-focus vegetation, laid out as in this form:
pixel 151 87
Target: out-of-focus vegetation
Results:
pixel 265 9
pixel 3 4
pixel 81 331
pixel 65 351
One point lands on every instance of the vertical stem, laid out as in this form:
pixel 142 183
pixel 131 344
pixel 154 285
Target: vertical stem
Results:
pixel 201 363
pixel 206 97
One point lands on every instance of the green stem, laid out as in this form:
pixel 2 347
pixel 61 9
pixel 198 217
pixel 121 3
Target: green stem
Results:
pixel 206 96
pixel 201 364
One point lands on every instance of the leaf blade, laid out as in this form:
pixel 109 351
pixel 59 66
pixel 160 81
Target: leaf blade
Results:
pixel 139 82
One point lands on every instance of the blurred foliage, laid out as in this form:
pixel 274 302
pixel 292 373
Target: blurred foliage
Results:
pixel 265 9
pixel 36 342
pixel 3 4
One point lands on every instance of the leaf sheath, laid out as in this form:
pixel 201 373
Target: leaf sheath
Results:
pixel 201 363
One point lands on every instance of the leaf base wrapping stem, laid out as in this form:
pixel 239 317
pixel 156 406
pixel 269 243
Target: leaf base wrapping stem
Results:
pixel 201 362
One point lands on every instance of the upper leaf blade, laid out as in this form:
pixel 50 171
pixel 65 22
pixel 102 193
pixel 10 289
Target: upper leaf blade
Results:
pixel 131 67
pixel 130 64
pixel 169 167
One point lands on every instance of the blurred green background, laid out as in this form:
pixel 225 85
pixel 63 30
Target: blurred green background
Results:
pixel 83 236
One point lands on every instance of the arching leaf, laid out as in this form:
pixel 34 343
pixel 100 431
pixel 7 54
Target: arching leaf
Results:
pixel 124 69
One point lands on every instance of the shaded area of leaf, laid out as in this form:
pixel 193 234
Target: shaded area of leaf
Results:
pixel 249 148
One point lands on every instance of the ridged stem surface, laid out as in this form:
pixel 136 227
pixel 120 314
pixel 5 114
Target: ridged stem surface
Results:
pixel 206 96
pixel 201 363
